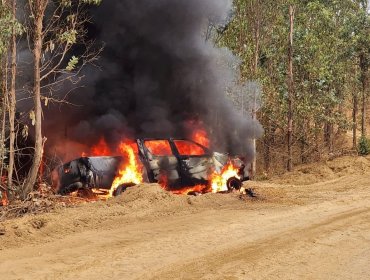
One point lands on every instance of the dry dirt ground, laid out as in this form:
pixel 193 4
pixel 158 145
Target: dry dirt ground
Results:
pixel 311 224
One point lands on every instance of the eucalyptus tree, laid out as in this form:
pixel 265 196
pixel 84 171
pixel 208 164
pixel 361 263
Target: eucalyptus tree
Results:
pixel 5 35
pixel 9 30
pixel 362 49
pixel 55 28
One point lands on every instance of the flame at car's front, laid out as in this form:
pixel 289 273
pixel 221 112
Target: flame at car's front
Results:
pixel 130 171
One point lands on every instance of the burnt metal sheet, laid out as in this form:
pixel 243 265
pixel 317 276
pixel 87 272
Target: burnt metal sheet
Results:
pixel 89 172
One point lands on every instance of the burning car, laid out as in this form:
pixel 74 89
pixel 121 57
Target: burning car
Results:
pixel 179 165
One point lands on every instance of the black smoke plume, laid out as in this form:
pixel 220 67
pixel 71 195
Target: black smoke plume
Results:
pixel 157 72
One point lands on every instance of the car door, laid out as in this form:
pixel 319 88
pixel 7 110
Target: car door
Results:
pixel 195 161
pixel 159 160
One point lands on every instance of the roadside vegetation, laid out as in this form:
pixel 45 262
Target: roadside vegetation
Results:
pixel 311 59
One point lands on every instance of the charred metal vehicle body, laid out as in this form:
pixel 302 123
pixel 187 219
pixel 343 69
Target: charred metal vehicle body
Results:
pixel 86 173
pixel 178 162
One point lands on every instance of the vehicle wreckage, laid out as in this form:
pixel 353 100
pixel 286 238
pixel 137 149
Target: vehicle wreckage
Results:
pixel 180 162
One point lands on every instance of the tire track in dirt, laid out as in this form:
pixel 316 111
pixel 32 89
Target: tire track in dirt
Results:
pixel 146 249
pixel 234 263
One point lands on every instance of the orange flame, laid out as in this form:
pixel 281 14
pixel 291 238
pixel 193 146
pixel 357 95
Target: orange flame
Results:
pixel 130 170
pixel 198 132
pixel 100 149
pixel 218 181
pixel 196 188
pixel 4 199
pixel 187 148
pixel 200 136
pixel 159 147
pixel 163 182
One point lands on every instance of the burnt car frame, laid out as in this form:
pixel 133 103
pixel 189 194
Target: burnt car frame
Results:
pixel 172 161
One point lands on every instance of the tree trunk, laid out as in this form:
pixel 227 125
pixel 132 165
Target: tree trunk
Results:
pixel 12 100
pixel 330 139
pixel 302 141
pixel 354 121
pixel 4 104
pixel 39 9
pixel 341 109
pixel 255 68
pixel 266 146
pixel 317 140
pixel 364 69
pixel 363 114
pixel 290 88
pixel 329 131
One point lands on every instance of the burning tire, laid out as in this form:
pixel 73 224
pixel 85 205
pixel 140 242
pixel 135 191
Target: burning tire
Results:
pixel 234 183
pixel 122 188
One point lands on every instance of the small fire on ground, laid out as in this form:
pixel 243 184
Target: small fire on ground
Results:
pixel 3 198
pixel 3 195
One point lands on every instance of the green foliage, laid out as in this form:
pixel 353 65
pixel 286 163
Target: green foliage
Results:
pixel 363 146
pixel 66 29
pixel 72 63
pixel 68 3
pixel 6 27
pixel 92 2
pixel 69 37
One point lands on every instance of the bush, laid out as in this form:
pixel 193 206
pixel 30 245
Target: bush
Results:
pixel 364 146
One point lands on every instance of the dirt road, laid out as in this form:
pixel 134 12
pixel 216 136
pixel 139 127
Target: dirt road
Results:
pixel 308 225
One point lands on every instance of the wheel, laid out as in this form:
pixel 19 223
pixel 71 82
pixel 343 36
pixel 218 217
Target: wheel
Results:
pixel 122 188
pixel 233 184
pixel 119 190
